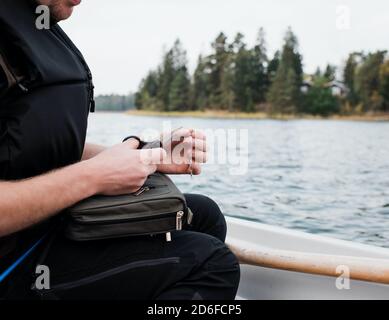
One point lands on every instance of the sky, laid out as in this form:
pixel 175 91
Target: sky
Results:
pixel 123 39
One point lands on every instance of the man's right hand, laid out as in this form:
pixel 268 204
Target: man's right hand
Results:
pixel 122 168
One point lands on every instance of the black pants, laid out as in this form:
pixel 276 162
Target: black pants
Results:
pixel 196 264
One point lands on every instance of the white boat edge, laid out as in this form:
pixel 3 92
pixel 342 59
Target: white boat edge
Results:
pixel 265 283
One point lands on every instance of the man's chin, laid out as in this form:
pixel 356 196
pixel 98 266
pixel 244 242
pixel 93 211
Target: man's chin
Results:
pixel 62 14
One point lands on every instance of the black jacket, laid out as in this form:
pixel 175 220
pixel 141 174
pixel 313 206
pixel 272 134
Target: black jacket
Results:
pixel 46 93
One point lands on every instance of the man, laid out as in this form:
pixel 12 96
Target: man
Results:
pixel 46 92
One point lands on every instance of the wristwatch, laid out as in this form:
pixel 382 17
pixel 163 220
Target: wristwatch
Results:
pixel 145 145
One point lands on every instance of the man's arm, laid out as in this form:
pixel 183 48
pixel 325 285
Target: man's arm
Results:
pixel 27 202
pixel 92 150
pixel 117 170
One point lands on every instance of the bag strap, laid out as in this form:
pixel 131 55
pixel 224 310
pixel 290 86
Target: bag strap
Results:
pixel 23 257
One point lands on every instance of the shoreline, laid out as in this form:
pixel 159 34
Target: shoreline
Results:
pixel 255 116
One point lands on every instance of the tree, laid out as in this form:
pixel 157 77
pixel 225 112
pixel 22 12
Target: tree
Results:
pixel 114 102
pixel 166 77
pixel 241 73
pixel 247 73
pixel 200 88
pixel 284 94
pixel 272 68
pixel 258 68
pixel 146 97
pixel 167 88
pixel 330 72
pixel 174 62
pixel 179 91
pixel 384 85
pixel 349 77
pixel 290 54
pixel 319 99
pixel 367 81
pixel 217 64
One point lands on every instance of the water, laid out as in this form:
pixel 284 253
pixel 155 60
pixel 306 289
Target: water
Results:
pixel 323 177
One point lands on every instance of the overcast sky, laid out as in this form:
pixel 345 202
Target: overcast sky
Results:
pixel 123 39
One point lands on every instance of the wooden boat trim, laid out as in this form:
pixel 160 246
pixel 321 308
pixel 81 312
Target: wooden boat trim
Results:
pixel 357 268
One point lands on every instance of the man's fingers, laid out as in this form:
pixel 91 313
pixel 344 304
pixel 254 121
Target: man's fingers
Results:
pixel 199 144
pixel 182 134
pixel 199 157
pixel 132 143
pixel 175 136
pixel 152 156
pixel 194 168
pixel 198 134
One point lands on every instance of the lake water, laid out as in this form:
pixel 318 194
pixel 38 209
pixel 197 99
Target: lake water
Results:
pixel 323 177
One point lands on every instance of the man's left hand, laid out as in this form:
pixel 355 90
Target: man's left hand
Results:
pixel 186 151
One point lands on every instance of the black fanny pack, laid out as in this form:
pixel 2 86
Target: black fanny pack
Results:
pixel 158 207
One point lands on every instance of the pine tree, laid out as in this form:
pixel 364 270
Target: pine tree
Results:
pixel 200 88
pixel 217 65
pixel 290 54
pixel 241 72
pixel 349 77
pixel 178 98
pixel 145 98
pixel 284 94
pixel 168 88
pixel 367 81
pixel 384 85
pixel 227 94
pixel 166 77
pixel 258 67
pixel 272 68
pixel 179 91
pixel 330 73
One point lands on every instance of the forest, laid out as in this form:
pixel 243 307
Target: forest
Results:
pixel 238 78
pixel 115 102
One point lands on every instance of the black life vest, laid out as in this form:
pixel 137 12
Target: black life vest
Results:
pixel 46 92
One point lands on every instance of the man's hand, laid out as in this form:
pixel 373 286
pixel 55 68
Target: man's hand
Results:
pixel 124 169
pixel 186 151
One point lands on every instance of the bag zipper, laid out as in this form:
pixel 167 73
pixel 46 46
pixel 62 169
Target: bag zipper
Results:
pixel 148 188
pixel 143 189
pixel 177 215
pixel 108 273
pixel 142 200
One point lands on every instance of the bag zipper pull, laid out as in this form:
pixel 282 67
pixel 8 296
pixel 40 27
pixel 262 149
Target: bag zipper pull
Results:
pixel 179 216
pixel 168 237
pixel 141 190
pixel 190 216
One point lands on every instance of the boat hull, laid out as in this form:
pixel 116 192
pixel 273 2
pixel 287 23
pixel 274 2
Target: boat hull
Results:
pixel 267 283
